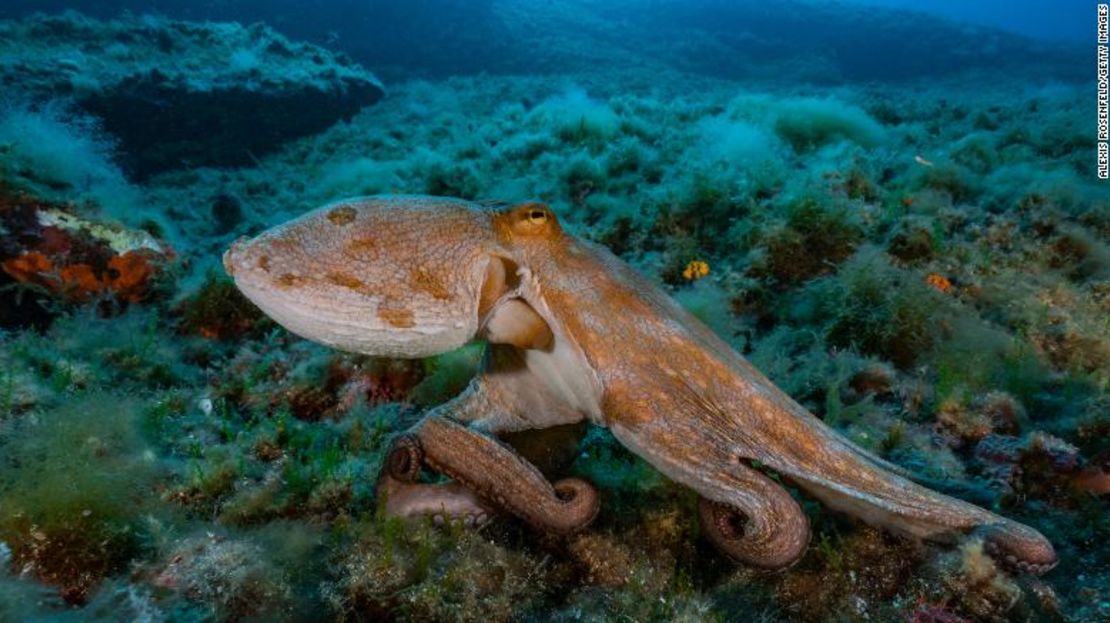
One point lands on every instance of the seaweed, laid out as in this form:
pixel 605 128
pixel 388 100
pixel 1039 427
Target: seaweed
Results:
pixel 217 310
pixel 74 483
pixel 813 241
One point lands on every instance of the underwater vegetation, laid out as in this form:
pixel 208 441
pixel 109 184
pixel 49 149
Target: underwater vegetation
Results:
pixel 922 264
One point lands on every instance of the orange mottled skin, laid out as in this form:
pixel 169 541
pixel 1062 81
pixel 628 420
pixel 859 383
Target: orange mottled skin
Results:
pixel 413 276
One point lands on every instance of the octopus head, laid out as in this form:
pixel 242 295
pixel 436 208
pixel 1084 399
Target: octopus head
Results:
pixel 396 276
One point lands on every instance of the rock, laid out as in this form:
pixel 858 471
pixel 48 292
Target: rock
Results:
pixel 876 379
pixel 233 577
pixel 605 560
pixel 1003 411
pixel 979 588
pixel 1095 478
pixel 1037 465
pixel 996 413
pixel 227 212
pixel 181 94
pixel 913 240
pixel 73 258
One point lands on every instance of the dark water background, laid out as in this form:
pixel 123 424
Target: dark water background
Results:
pixel 869 40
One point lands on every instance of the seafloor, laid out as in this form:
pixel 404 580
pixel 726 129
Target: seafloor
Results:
pixel 923 264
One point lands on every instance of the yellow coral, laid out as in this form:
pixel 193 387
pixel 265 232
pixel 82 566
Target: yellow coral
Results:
pixel 695 270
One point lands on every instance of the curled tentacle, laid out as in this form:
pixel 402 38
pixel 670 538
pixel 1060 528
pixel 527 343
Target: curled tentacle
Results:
pixel 749 516
pixel 405 459
pixel 404 497
pixel 760 422
pixel 500 476
pixel 769 531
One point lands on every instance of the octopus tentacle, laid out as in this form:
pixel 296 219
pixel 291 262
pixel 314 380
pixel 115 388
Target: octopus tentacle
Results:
pixel 442 502
pixel 748 515
pixel 405 459
pixel 830 468
pixel 769 531
pixel 1017 547
pixel 752 418
pixel 402 496
pixel 499 475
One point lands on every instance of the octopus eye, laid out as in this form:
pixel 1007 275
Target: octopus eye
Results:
pixel 537 216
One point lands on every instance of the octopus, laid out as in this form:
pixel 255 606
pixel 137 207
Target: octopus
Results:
pixel 573 333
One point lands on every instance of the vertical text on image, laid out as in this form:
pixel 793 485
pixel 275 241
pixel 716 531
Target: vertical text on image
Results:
pixel 1102 82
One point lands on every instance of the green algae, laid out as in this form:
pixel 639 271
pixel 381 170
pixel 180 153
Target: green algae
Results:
pixel 75 482
pixel 250 458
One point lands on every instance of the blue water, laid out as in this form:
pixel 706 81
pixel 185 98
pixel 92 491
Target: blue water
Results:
pixel 1064 20
pixel 870 38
